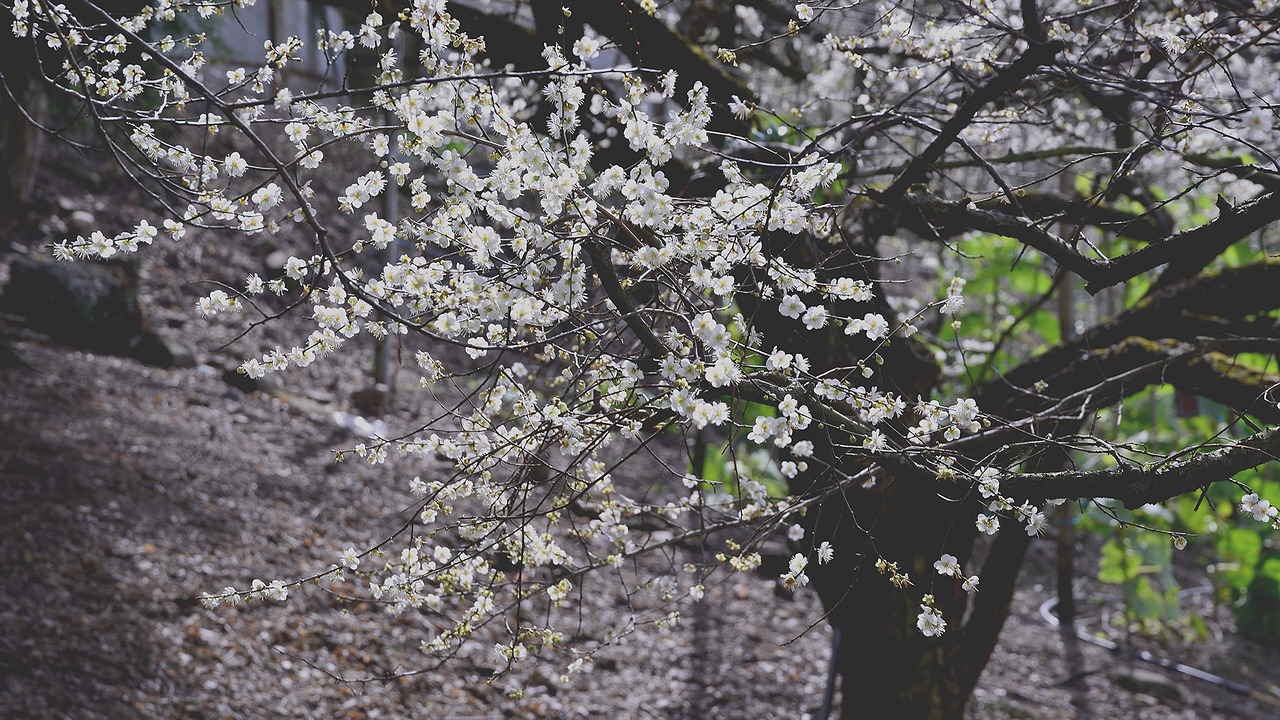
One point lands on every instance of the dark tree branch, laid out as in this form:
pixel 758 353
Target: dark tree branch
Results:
pixel 1138 485
pixel 963 213
pixel 1184 311
pixel 1058 208
pixel 933 217
pixel 1268 179
pixel 602 264
pixel 1189 252
pixel 1031 23
pixel 991 606
pixel 1005 81
pixel 1103 377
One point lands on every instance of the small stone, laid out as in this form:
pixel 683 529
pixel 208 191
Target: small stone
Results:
pixel 275 262
pixel 88 305
pixel 246 384
pixel 9 359
pixel 164 351
pixel 1147 682
pixel 82 222
pixel 370 402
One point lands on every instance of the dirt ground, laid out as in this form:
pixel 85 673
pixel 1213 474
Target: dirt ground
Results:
pixel 129 489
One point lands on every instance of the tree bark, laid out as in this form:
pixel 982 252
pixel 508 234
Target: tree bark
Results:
pixel 887 668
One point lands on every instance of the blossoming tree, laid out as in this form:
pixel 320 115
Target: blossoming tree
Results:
pixel 630 223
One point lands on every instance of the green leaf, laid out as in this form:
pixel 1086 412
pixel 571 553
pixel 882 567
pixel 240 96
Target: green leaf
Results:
pixel 1240 549
pixel 1259 614
pixel 1144 601
pixel 1189 518
pixel 1198 626
pixel 1117 565
pixel 1046 326
pixel 1029 280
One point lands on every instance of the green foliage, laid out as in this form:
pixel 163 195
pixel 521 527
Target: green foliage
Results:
pixel 1004 284
pixel 1141 562
pixel 726 463
pixel 1239 549
pixel 1117 565
pixel 1259 615
pixel 1007 279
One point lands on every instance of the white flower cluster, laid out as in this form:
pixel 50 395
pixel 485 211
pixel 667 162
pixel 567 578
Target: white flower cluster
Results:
pixel 795 576
pixel 930 622
pixel 1260 510
pixel 1032 518
pixel 947 565
pixel 952 421
pixel 277 590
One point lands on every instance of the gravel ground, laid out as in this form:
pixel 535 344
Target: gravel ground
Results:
pixel 132 489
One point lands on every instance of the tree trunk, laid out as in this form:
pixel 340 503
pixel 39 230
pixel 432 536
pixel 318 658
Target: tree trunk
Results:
pixel 887 668
pixel 20 143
